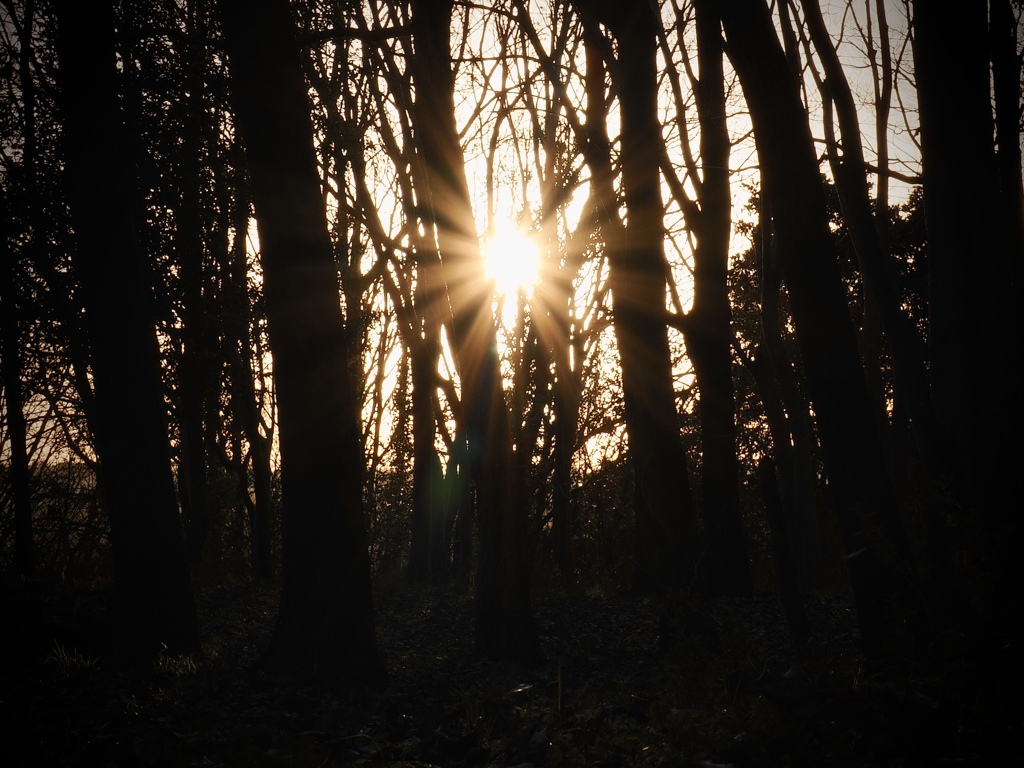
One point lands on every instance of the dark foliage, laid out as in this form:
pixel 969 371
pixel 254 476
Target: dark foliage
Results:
pixel 603 696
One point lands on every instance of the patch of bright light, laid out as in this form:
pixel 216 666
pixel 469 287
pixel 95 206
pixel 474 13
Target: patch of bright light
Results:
pixel 511 260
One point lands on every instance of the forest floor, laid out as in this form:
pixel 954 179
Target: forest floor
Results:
pixel 604 696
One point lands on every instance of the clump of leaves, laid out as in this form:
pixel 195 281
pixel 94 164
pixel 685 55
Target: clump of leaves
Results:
pixel 70 662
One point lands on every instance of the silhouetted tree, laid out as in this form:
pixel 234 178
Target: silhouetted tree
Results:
pixel 666 537
pixel 973 262
pixel 152 585
pixel 861 491
pixel 907 348
pixel 706 328
pixel 325 622
pixel 11 382
pixel 786 409
pixel 504 622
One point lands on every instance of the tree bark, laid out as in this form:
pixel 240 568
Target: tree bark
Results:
pixel 197 373
pixel 785 575
pixel 1006 80
pixel 666 528
pixel 237 313
pixel 558 294
pixel 707 330
pixel 968 310
pixel 429 558
pixel 153 592
pixel 325 626
pixel 907 348
pixel 973 262
pixel 11 308
pixel 876 545
pixel 796 460
pixel 504 617
pixel 10 381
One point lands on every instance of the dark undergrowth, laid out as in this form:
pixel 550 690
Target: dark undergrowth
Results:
pixel 604 696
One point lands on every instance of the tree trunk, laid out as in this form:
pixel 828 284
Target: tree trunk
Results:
pixel 325 623
pixel 461 499
pixel 237 312
pixel 194 365
pixel 504 618
pixel 552 324
pixel 11 309
pixel 193 372
pixel 566 416
pixel 153 593
pixel 967 243
pixel 1006 80
pixel 907 348
pixel 796 459
pixel 876 545
pixel 429 559
pixel 785 574
pixel 883 301
pixel 10 381
pixel 666 545
pixel 973 260
pixel 707 330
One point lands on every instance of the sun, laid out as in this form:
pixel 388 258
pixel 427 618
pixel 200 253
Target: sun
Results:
pixel 511 260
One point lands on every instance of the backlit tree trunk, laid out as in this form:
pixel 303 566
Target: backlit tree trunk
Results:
pixel 504 620
pixel 795 458
pixel 707 330
pixel 325 622
pixel 11 307
pixel 665 516
pixel 153 592
pixel 973 302
pixel 1004 34
pixel 876 546
pixel 236 310
pixel 906 346
pixel 429 559
pixel 10 381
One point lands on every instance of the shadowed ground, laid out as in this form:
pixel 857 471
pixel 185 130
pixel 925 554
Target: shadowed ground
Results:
pixel 604 696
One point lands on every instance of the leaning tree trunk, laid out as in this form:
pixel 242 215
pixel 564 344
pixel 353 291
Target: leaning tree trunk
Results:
pixel 325 622
pixel 906 346
pixel 865 502
pixel 504 617
pixel 153 591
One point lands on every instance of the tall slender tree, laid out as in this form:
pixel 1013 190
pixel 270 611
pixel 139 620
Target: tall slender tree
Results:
pixel 707 327
pixel 865 502
pixel 153 592
pixel 907 348
pixel 11 381
pixel 666 532
pixel 504 619
pixel 21 206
